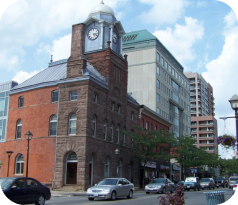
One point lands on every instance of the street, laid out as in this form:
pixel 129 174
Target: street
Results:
pixel 139 198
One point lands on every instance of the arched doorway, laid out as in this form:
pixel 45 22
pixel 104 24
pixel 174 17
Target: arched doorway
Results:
pixel 71 168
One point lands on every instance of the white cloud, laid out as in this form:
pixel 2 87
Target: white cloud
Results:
pixel 163 12
pixel 21 76
pixel 222 74
pixel 180 41
pixel 201 3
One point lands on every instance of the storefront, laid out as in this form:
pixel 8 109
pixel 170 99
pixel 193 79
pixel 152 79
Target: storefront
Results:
pixel 176 172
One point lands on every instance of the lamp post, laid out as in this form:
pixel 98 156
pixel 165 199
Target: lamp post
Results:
pixel 234 105
pixel 9 153
pixel 117 151
pixel 28 138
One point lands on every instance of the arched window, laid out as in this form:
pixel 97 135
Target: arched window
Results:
pixel 111 131
pixel 124 136
pixel 118 134
pixel 119 168
pixel 19 165
pixel 53 125
pixel 106 167
pixel 72 124
pixel 18 130
pixel 105 130
pixel 94 125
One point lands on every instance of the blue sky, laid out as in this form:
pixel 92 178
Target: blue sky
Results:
pixel 201 34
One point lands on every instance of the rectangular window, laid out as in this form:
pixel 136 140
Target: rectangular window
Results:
pixel 132 115
pixel 112 106
pixel 170 69
pixel 2 105
pixel 158 97
pixel 55 96
pixel 158 84
pixel 95 98
pixel 119 109
pixel 158 70
pixel 73 95
pixel 162 60
pixel 166 64
pixel 158 110
pixel 158 56
pixel 21 101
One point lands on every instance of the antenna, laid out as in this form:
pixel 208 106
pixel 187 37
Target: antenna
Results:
pixel 102 2
pixel 51 60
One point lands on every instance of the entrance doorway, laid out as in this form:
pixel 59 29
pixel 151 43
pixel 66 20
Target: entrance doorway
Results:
pixel 71 167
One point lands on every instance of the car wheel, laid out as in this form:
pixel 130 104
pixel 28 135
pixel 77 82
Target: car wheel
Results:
pixel 199 188
pixel 202 188
pixel 147 192
pixel 214 187
pixel 164 191
pixel 188 189
pixel 113 196
pixel 90 199
pixel 172 190
pixel 130 194
pixel 40 200
pixel 195 189
pixel 209 188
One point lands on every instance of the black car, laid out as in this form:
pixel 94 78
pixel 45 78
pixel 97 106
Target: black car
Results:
pixel 25 190
pixel 221 181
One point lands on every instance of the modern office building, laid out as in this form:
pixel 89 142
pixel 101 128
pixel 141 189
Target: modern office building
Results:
pixel 156 79
pixel 4 103
pixel 203 123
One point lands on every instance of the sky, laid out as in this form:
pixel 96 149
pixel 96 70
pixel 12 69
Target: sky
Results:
pixel 201 34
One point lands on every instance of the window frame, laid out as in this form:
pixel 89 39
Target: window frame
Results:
pixel 18 128
pixel 53 97
pixel 20 101
pixel 52 123
pixel 73 97
pixel 70 127
pixel 20 163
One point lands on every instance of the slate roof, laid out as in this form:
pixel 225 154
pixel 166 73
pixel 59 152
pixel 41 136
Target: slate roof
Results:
pixel 56 74
pixel 137 36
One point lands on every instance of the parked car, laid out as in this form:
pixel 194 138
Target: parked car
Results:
pixel 232 181
pixel 207 183
pixel 25 190
pixel 221 181
pixel 111 188
pixel 179 183
pixel 192 183
pixel 235 187
pixel 160 185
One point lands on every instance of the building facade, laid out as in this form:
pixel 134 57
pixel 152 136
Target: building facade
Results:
pixel 156 79
pixel 203 122
pixel 4 103
pixel 77 110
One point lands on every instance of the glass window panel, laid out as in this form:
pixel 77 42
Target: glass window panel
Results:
pixel 55 96
pixel 74 95
pixel 2 106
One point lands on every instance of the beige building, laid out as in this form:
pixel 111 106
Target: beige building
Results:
pixel 203 123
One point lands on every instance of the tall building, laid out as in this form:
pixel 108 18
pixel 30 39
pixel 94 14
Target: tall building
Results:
pixel 203 123
pixel 156 79
pixel 76 110
pixel 4 103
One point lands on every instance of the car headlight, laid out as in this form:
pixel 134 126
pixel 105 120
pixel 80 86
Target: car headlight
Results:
pixel 105 190
pixel 89 190
pixel 158 187
pixel 146 187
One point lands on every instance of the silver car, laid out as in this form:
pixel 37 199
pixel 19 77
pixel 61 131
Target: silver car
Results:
pixel 111 188
pixel 232 181
pixel 160 185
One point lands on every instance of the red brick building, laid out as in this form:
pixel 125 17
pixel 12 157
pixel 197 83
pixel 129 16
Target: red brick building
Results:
pixel 77 110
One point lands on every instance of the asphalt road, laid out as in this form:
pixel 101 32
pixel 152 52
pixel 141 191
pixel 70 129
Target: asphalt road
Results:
pixel 139 198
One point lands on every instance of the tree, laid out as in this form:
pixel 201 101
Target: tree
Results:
pixel 150 145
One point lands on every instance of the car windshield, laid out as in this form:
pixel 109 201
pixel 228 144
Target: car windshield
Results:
pixel 219 178
pixel 205 180
pixel 234 179
pixel 190 179
pixel 6 182
pixel 108 182
pixel 157 181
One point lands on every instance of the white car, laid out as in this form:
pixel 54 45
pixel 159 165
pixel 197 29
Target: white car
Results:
pixel 111 188
pixel 235 187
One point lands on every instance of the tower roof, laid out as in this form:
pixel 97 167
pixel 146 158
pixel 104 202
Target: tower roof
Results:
pixel 101 9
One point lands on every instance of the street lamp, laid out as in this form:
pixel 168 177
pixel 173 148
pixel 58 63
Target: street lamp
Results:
pixel 28 138
pixel 234 106
pixel 9 153
pixel 117 151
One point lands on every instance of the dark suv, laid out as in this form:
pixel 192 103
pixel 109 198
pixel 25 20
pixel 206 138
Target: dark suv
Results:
pixel 221 181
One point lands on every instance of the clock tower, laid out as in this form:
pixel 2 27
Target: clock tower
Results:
pixel 101 27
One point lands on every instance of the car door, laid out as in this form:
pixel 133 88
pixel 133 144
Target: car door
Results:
pixel 170 185
pixel 17 192
pixel 120 188
pixel 127 187
pixel 32 190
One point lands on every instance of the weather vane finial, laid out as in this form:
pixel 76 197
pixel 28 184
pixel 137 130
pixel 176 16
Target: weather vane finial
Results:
pixel 102 2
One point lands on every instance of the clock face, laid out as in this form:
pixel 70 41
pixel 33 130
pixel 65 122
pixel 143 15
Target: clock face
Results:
pixel 114 37
pixel 93 33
